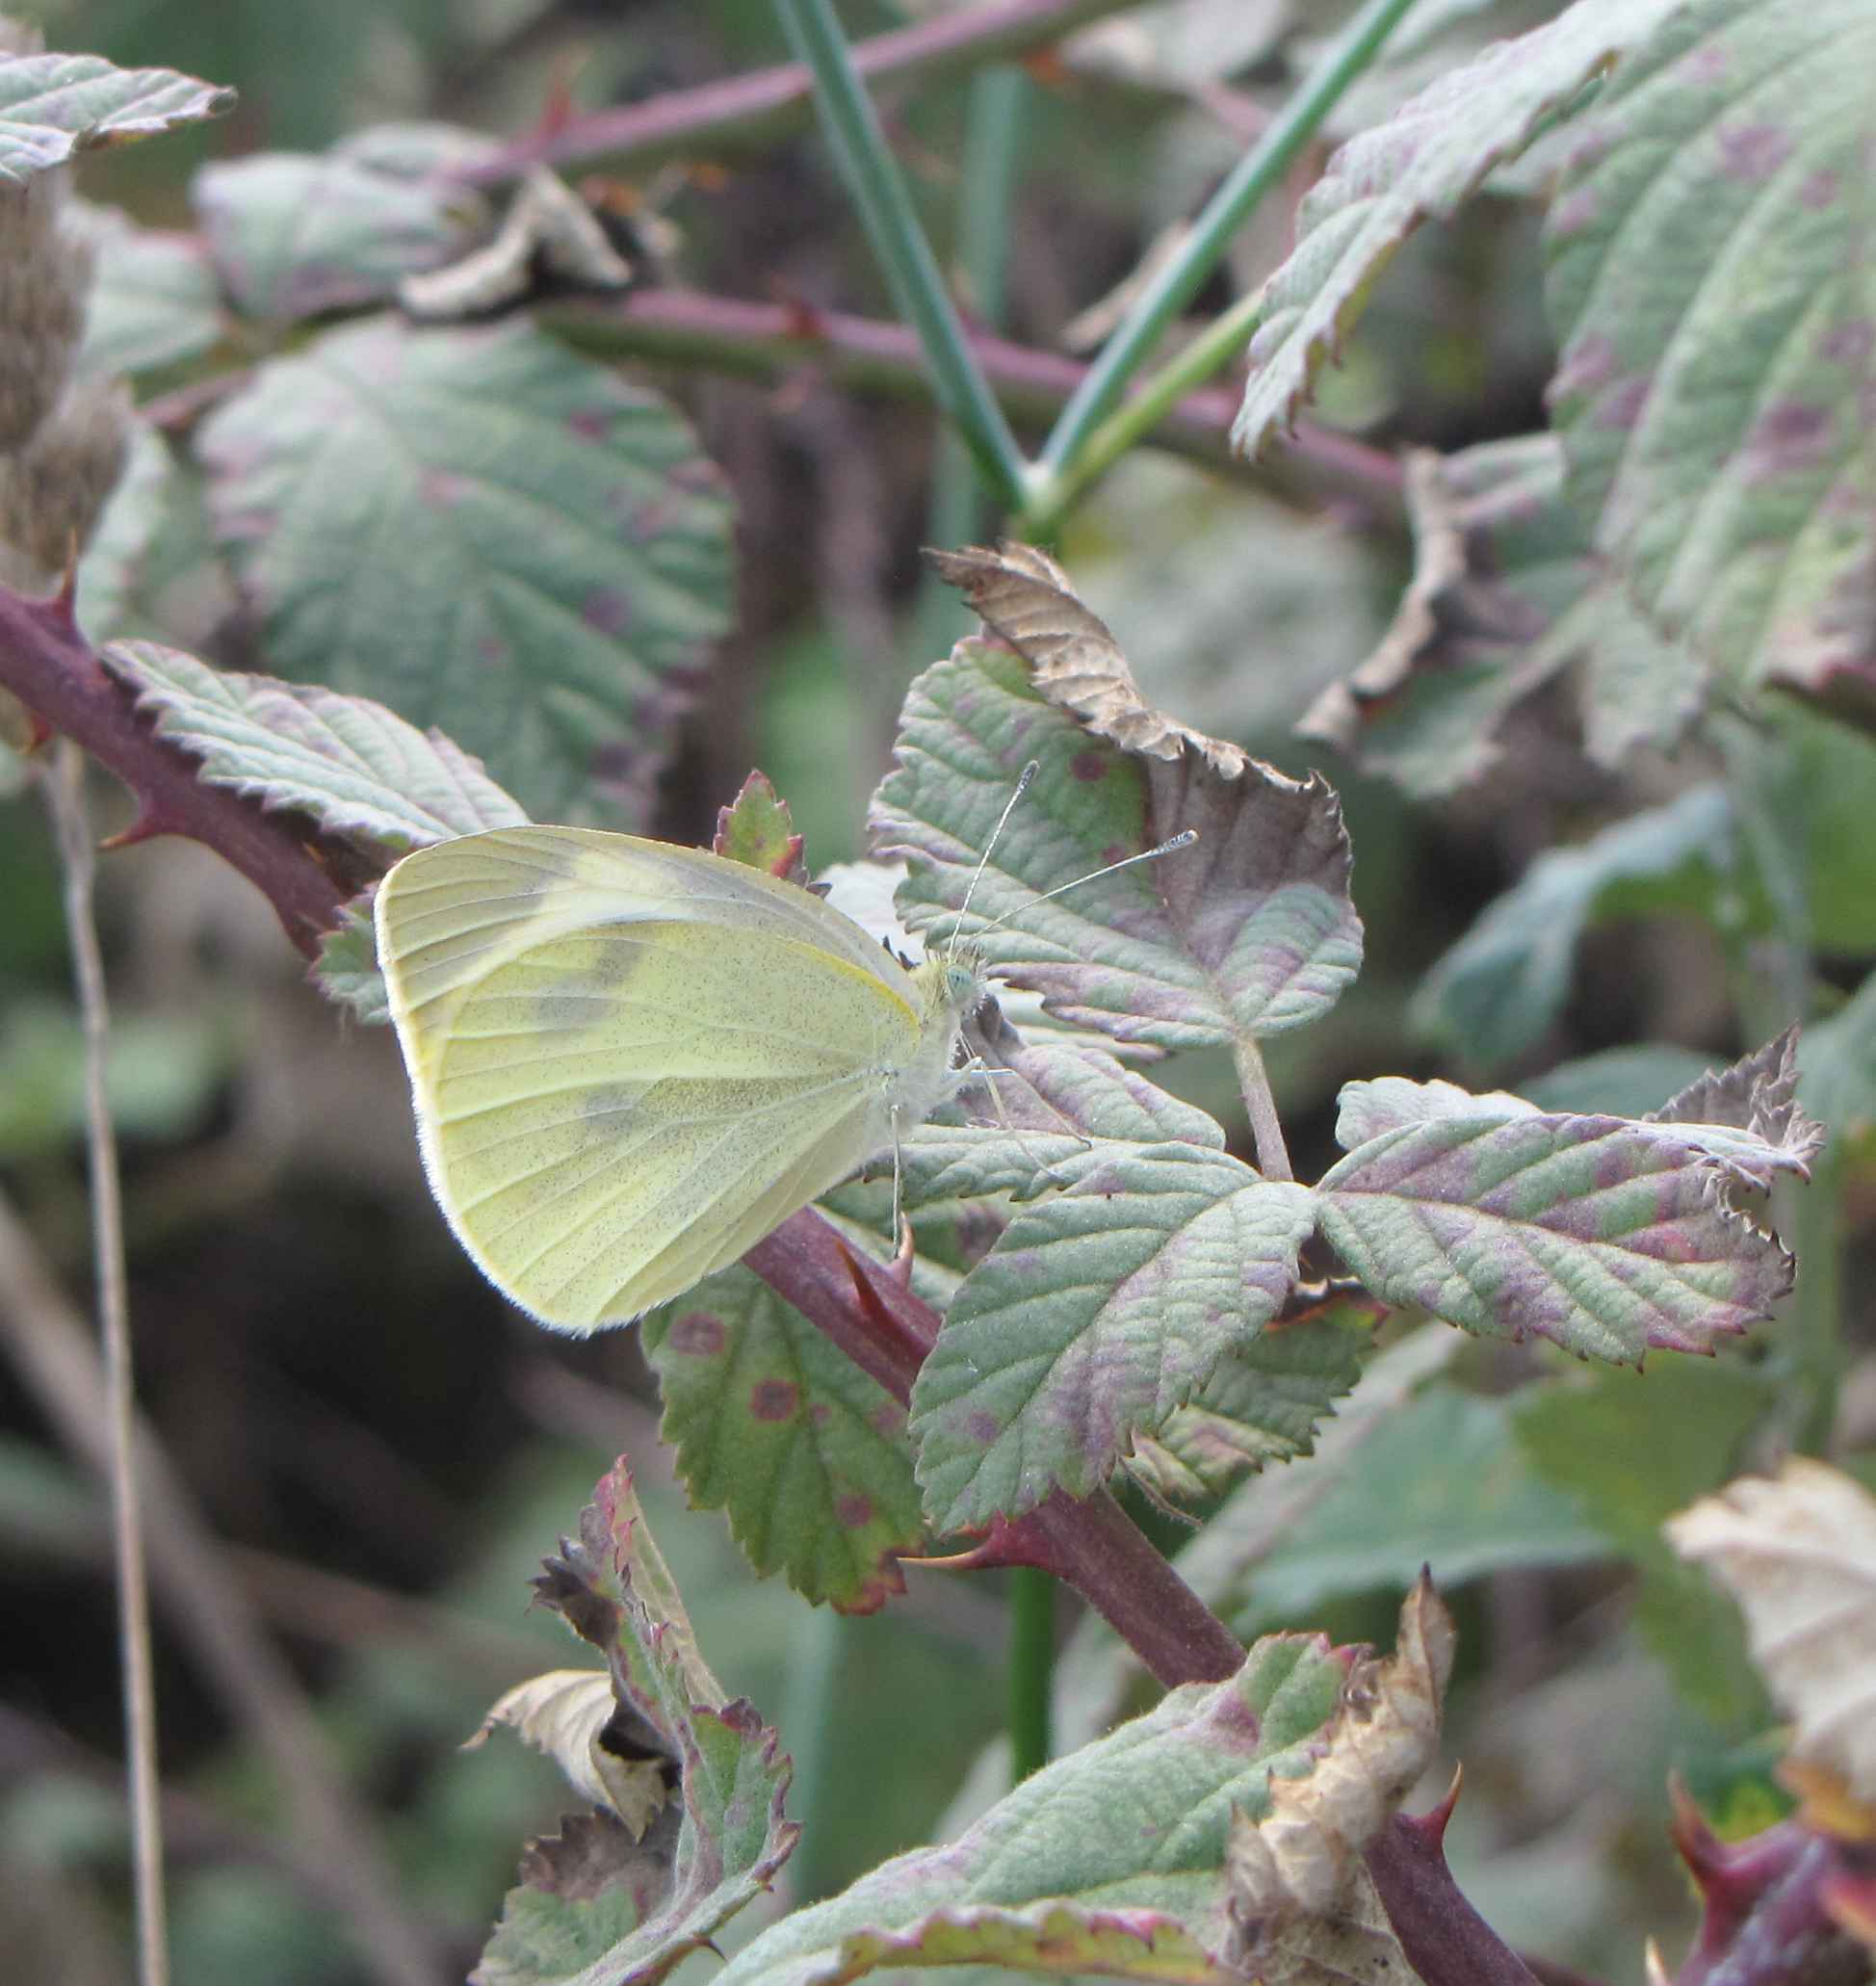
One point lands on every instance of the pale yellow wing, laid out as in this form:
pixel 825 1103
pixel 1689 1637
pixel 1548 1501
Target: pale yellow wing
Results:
pixel 629 1060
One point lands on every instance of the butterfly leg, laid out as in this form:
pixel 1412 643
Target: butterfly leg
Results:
pixel 978 1070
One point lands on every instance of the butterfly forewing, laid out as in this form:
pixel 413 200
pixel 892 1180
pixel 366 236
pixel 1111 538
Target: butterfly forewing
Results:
pixel 630 1061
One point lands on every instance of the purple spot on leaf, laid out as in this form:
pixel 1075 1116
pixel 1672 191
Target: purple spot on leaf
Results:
pixel 608 609
pixel 1087 766
pixel 1708 63
pixel 1574 211
pixel 1621 407
pixel 1820 189
pixel 697 1334
pixel 1753 151
pixel 1790 436
pixel 591 422
pixel 1849 343
pixel 854 1510
pixel 442 489
pixel 983 1428
pixel 774 1400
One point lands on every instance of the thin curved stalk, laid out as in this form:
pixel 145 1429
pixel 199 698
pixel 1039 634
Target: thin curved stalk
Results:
pixel 64 791
pixel 878 192
pixel 1259 169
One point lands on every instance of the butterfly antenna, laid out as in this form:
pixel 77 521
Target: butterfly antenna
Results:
pixel 1022 781
pixel 1183 840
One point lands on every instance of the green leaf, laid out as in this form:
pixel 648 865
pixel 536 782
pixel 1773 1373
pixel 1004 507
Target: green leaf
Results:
pixel 1247 934
pixel 1094 1317
pixel 1837 1063
pixel 1262 1404
pixel 1422 165
pixel 1220 1563
pixel 1505 593
pixel 112 567
pixel 1635 1448
pixel 1110 1861
pixel 594 1904
pixel 356 768
pixel 295 234
pixel 1606 1236
pixel 1618 1083
pixel 1443 1483
pixel 757 829
pixel 154 300
pixel 775 1425
pixel 485 532
pixel 53 107
pixel 1713 283
pixel 1506 981
pixel 346 970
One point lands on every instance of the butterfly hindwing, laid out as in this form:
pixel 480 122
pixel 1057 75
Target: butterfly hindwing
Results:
pixel 629 1060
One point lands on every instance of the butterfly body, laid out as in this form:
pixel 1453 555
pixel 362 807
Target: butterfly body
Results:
pixel 631 1060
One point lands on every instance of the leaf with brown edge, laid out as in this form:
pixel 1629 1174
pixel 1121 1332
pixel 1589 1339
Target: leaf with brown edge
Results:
pixel 1607 1235
pixel 757 829
pixel 1504 593
pixel 1302 1860
pixel 54 106
pixel 1023 595
pixel 1247 933
pixel 593 1903
pixel 1109 1860
pixel 1758 1094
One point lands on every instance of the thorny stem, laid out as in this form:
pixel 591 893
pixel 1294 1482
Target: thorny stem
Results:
pixel 771 342
pixel 877 190
pixel 746 112
pixel 50 666
pixel 64 787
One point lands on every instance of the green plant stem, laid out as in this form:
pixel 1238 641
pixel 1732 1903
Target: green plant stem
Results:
pixel 1163 299
pixel 875 185
pixel 1266 1127
pixel 1139 413
pixel 992 134
pixel 66 797
pixel 1031 1670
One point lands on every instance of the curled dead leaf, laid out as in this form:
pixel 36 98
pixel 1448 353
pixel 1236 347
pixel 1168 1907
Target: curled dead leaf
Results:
pixel 1304 1859
pixel 566 1715
pixel 1798 1552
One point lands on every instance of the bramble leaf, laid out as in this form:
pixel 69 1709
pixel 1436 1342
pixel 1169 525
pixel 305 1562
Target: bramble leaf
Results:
pixel 1093 1317
pixel 1837 1061
pixel 154 300
pixel 1262 1404
pixel 1710 256
pixel 1607 1235
pixel 1632 1449
pixel 777 1427
pixel 1504 593
pixel 1422 165
pixel 561 557
pixel 1247 933
pixel 1110 1860
pixel 1497 990
pixel 592 1903
pixel 356 768
pixel 112 565
pixel 55 106
pixel 292 234
pixel 346 970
